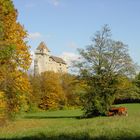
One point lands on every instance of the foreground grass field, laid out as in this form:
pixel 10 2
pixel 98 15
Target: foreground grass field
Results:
pixel 65 125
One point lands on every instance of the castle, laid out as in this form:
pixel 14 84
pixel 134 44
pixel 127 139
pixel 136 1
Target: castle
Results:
pixel 45 62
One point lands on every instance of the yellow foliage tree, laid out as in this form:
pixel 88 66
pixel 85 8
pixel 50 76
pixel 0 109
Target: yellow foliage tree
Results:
pixel 14 56
pixel 52 92
pixel 3 104
pixel 13 33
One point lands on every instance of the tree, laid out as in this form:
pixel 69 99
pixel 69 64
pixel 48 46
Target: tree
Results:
pixel 12 33
pixel 136 88
pixel 72 88
pixel 126 90
pixel 36 84
pixel 52 93
pixel 14 56
pixel 137 80
pixel 102 62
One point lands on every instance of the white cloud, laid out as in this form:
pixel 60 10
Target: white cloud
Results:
pixel 69 57
pixel 37 35
pixel 34 35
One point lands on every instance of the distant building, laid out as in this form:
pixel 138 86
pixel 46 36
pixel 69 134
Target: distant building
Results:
pixel 46 62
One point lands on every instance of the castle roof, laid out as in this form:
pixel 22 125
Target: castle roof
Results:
pixel 58 59
pixel 42 46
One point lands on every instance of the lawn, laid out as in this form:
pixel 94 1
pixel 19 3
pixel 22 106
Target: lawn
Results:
pixel 66 125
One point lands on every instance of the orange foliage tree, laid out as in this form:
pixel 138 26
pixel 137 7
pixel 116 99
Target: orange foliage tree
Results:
pixel 14 56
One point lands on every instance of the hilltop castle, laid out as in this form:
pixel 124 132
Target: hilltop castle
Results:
pixel 46 62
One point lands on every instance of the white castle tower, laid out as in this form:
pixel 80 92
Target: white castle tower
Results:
pixel 45 62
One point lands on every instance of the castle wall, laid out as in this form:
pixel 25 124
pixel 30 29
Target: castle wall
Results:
pixel 58 67
pixel 43 62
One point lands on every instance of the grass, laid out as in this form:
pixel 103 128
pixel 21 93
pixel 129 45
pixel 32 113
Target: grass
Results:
pixel 65 125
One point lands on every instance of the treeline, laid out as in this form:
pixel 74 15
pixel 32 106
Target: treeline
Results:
pixel 62 90
pixel 130 92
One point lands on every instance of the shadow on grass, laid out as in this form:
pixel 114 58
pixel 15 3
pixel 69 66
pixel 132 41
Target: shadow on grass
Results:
pixel 60 117
pixel 52 117
pixel 41 136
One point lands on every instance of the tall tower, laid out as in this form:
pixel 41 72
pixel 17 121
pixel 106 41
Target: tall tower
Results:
pixel 41 58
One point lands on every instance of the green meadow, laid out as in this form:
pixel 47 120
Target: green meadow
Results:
pixel 67 125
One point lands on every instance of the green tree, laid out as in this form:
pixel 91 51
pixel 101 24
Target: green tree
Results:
pixel 137 80
pixel 126 90
pixel 101 63
pixel 72 88
pixel 136 87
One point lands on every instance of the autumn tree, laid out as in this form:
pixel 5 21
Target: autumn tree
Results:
pixel 52 93
pixel 14 56
pixel 102 62
pixel 13 33
pixel 36 85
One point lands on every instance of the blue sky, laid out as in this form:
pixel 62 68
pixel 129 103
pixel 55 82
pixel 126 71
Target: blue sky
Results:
pixel 65 25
